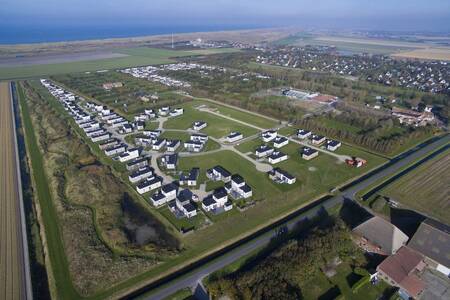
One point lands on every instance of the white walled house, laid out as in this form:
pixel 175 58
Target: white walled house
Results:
pixel 276 157
pixel 170 161
pixel 199 125
pixel 269 135
pixel 159 144
pixel 149 184
pixel 263 151
pixel 172 145
pixel 280 176
pixel 317 139
pixel 309 153
pixel 333 145
pixel 303 134
pixel 193 146
pixel 176 112
pixel 129 155
pixel 116 149
pixel 140 174
pixel 234 137
pixel 280 141
pixel 218 173
pixel 137 163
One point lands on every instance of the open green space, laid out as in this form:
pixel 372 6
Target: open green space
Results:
pixel 136 57
pixel 249 146
pixel 255 120
pixel 424 189
pixel 218 127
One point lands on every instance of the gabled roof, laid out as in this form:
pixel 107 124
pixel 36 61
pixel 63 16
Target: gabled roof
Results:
pixel 432 239
pixel 400 267
pixel 382 234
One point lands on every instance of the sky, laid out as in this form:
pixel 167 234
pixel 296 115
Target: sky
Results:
pixel 401 15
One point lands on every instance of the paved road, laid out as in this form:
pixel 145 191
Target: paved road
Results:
pixel 192 278
pixel 14 266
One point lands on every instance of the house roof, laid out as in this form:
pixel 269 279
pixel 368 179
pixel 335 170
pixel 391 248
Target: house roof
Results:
pixel 333 143
pixel 189 207
pixel 167 188
pixel 246 188
pixel 220 193
pixel 308 151
pixel 237 178
pixel 400 266
pixel 303 131
pixel 222 171
pixel 234 134
pixel 158 196
pixel 171 158
pixel 280 139
pixel 432 239
pixel 208 200
pixel 263 148
pixel 184 195
pixel 277 154
pixel 172 143
pixel 284 173
pixel 382 233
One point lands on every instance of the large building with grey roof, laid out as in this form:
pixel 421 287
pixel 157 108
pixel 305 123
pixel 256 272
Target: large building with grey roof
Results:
pixel 381 235
pixel 432 240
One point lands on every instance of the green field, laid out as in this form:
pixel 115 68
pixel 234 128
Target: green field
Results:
pixel 137 57
pixel 424 189
pixel 217 127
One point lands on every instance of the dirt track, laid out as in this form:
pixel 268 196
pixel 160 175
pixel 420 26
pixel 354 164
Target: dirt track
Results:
pixel 11 263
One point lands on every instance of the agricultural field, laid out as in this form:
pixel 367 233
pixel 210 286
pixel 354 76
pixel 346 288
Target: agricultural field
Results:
pixel 425 189
pixel 11 266
pixel 429 53
pixel 133 57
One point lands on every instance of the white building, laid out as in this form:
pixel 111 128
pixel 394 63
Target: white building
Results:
pixel 129 155
pixel 303 134
pixel 199 125
pixel 276 157
pixel 159 144
pixel 263 151
pixel 280 141
pixel 176 112
pixel 234 137
pixel 149 184
pixel 140 174
pixel 333 145
pixel 269 135
pixel 280 176
pixel 172 145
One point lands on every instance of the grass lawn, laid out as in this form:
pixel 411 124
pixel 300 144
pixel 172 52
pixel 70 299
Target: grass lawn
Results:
pixel 261 184
pixel 287 131
pixel 258 121
pixel 136 57
pixel 183 223
pixel 319 285
pixel 424 188
pixel 250 146
pixel 217 127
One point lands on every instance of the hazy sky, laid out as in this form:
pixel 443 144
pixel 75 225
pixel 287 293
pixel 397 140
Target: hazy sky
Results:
pixel 361 14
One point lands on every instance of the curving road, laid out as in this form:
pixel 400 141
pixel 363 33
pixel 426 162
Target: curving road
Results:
pixel 190 279
pixel 15 280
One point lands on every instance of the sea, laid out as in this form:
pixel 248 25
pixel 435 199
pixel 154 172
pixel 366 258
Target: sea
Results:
pixel 29 34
